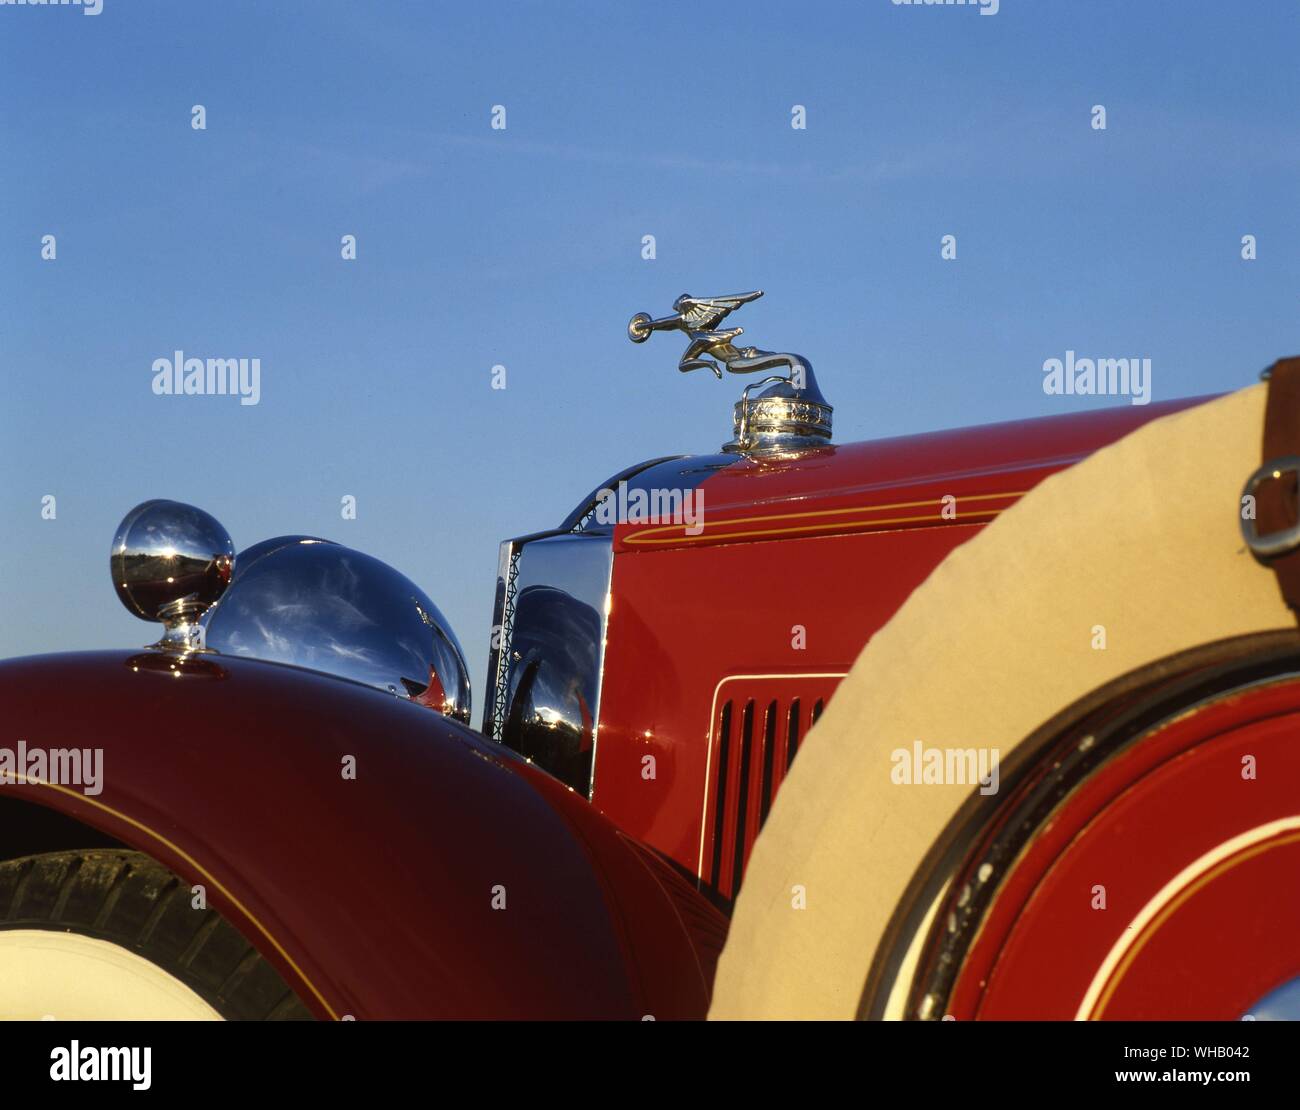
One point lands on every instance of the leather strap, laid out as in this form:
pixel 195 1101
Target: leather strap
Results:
pixel 1276 501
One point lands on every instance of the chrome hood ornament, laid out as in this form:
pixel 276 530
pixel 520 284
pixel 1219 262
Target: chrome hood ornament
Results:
pixel 790 415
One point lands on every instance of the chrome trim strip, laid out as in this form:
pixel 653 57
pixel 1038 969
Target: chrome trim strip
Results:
pixel 606 609
pixel 503 616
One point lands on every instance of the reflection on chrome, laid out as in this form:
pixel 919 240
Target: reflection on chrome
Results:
pixel 170 562
pixel 316 604
pixel 545 668
pixel 553 685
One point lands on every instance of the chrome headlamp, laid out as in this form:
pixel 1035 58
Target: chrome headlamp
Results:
pixel 316 604
pixel 298 600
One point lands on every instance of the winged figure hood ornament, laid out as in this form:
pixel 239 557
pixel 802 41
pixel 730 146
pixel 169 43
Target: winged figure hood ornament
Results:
pixel 790 415
pixel 699 318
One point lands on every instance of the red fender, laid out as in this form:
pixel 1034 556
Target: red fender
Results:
pixel 373 896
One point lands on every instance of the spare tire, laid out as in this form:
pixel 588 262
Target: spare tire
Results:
pixel 1128 557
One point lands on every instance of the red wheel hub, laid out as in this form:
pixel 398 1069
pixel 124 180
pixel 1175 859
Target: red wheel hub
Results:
pixel 1192 837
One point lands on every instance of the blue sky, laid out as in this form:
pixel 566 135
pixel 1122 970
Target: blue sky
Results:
pixel 522 248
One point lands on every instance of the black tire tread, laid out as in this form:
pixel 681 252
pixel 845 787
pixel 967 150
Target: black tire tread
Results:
pixel 131 900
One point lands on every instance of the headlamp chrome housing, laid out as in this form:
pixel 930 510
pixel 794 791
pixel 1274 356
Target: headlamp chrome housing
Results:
pixel 316 604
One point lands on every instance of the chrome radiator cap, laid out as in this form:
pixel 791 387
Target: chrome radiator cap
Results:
pixel 784 417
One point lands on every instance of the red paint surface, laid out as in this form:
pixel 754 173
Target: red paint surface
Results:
pixel 990 459
pixel 691 611
pixel 379 890
pixel 1131 828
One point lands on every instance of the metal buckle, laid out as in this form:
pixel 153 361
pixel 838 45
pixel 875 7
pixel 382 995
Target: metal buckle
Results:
pixel 1272 544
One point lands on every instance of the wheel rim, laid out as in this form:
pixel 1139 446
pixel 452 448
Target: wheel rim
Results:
pixel 1009 929
pixel 1203 855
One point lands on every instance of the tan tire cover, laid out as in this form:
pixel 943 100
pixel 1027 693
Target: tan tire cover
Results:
pixel 1142 538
